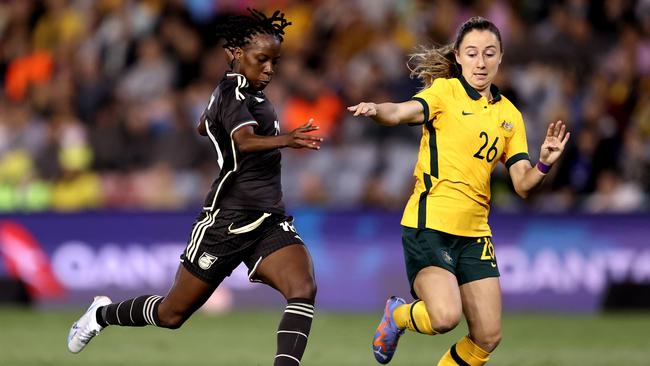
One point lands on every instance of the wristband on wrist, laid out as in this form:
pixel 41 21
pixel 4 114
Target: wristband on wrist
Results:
pixel 543 167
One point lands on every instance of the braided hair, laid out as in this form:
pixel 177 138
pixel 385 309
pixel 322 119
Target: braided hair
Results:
pixel 239 30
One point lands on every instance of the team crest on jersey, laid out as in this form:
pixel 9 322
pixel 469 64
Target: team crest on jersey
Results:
pixel 206 260
pixel 507 126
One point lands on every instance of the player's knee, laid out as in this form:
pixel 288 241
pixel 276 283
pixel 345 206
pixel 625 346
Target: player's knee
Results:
pixel 444 327
pixel 304 289
pixel 444 322
pixel 488 341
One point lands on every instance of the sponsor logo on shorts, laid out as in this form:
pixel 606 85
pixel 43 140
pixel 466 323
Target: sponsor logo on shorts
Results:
pixel 287 226
pixel 446 257
pixel 206 260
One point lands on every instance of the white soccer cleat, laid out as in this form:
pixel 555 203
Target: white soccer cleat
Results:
pixel 84 329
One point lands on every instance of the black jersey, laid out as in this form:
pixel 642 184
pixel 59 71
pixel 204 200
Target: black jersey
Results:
pixel 246 181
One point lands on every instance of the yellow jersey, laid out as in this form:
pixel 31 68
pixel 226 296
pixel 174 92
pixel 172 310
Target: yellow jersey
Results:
pixel 464 136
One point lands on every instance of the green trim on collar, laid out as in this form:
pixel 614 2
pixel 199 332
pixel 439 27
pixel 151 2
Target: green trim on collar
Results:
pixel 496 93
pixel 468 89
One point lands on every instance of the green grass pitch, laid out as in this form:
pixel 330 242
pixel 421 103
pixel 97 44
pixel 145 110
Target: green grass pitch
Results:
pixel 29 338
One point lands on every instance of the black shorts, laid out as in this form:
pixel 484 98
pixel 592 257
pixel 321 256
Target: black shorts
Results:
pixel 223 239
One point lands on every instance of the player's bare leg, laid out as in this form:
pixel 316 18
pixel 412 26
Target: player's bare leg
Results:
pixel 186 295
pixel 482 309
pixel 291 272
pixel 438 289
pixel 437 310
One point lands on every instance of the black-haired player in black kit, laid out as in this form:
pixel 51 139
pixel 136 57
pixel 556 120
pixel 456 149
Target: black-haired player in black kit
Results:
pixel 243 218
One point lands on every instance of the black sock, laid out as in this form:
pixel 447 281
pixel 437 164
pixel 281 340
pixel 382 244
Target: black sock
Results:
pixel 293 331
pixel 138 312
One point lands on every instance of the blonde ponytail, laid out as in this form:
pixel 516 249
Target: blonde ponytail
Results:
pixel 428 64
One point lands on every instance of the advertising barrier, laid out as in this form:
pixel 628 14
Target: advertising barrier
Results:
pixel 556 262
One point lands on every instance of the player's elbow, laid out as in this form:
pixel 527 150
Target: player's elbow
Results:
pixel 245 147
pixel 520 186
pixel 390 122
pixel 395 118
pixel 246 141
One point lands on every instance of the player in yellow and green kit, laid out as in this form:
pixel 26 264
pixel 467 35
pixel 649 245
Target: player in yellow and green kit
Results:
pixel 468 127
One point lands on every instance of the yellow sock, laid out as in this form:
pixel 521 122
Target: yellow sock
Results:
pixel 465 352
pixel 413 317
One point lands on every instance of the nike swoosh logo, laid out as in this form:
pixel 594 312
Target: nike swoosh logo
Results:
pixel 259 100
pixel 467 113
pixel 494 265
pixel 250 227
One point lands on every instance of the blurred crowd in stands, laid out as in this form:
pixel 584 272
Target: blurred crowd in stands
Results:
pixel 100 98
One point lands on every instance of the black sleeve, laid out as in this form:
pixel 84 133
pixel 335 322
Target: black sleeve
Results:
pixel 425 107
pixel 229 105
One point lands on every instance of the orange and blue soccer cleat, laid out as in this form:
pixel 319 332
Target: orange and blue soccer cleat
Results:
pixel 387 334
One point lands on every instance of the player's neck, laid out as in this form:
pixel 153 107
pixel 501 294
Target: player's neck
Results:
pixel 487 93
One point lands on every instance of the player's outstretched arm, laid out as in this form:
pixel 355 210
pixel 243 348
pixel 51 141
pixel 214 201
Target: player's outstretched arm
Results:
pixel 525 177
pixel 247 141
pixel 390 114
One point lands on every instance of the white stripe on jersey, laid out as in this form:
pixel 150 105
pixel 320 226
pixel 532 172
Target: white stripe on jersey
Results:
pixel 234 169
pixel 241 83
pixel 216 145
pixel 212 98
pixel 242 125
